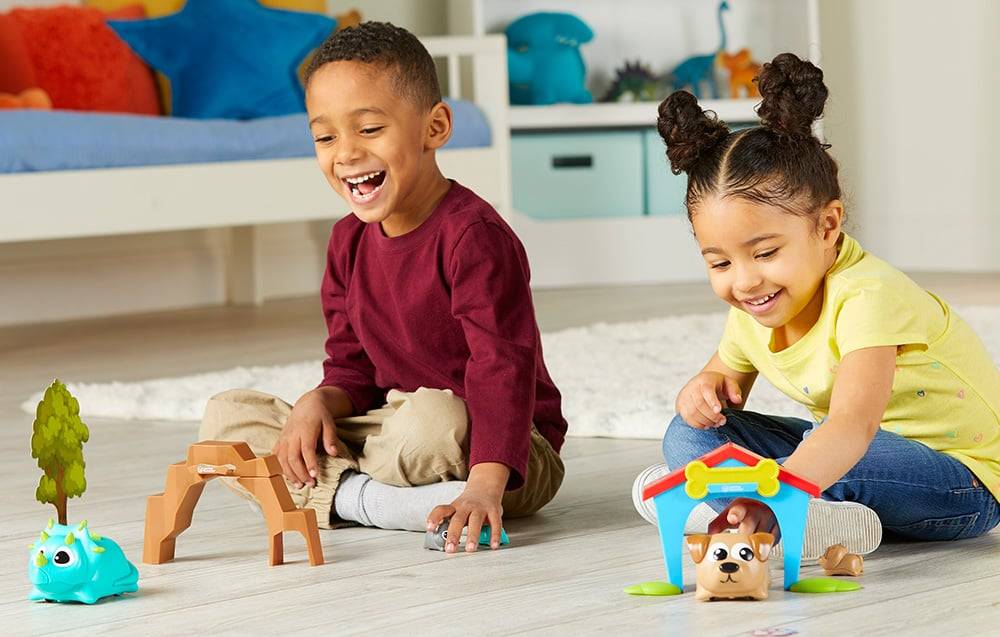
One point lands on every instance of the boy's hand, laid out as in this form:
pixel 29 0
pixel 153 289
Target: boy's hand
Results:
pixel 296 447
pixel 479 503
pixel 701 401
pixel 747 516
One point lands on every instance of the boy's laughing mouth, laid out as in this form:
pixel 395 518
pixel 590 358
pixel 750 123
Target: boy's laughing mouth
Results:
pixel 365 187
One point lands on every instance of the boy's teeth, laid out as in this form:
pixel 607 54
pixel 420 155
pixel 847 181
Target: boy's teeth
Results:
pixel 362 178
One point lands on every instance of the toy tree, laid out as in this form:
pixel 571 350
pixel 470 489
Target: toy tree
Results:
pixel 57 441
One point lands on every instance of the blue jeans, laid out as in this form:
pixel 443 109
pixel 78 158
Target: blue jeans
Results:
pixel 918 493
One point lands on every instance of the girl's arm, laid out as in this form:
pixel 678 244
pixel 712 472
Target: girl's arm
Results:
pixel 744 379
pixel 861 392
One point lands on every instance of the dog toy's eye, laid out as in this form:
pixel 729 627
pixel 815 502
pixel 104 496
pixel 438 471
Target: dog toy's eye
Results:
pixel 718 551
pixel 744 552
pixel 63 558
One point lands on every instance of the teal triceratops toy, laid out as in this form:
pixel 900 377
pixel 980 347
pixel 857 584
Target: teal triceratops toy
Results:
pixel 73 564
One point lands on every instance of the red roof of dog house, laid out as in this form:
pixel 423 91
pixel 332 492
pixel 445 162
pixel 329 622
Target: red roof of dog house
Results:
pixel 726 452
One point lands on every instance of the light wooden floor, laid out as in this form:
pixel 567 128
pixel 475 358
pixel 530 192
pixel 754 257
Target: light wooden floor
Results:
pixel 563 575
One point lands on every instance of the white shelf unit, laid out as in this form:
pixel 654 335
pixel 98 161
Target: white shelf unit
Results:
pixel 659 33
pixel 612 115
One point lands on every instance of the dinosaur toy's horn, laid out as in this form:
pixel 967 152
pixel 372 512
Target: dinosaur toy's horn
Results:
pixel 70 538
pixel 40 560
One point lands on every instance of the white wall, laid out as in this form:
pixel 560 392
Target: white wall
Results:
pixel 913 122
pixel 423 17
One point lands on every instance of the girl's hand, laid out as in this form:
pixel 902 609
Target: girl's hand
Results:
pixel 479 503
pixel 296 447
pixel 746 516
pixel 701 401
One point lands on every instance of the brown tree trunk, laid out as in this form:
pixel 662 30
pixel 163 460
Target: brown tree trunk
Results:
pixel 60 500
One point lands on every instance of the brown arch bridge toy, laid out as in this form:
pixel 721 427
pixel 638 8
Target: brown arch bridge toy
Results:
pixel 168 514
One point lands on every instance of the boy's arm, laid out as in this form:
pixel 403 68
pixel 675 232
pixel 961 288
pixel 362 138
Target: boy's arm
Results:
pixel 491 298
pixel 347 366
pixel 336 400
pixel 861 393
pixel 348 384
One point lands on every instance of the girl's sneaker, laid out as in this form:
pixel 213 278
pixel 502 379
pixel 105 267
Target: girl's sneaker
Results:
pixel 827 523
pixel 830 522
pixel 697 522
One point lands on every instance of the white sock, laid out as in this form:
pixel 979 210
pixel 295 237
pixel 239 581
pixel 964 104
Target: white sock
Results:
pixel 371 503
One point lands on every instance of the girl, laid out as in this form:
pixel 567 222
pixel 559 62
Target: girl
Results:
pixel 905 398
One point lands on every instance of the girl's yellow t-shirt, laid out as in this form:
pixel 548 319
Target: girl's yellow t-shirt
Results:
pixel 946 393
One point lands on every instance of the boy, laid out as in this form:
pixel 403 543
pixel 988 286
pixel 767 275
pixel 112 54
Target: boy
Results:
pixel 435 401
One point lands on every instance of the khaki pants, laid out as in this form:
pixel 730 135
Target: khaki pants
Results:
pixel 417 438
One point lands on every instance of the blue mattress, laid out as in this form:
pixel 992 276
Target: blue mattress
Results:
pixel 68 140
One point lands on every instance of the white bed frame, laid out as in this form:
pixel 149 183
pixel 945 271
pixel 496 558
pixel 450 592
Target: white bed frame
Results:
pixel 242 195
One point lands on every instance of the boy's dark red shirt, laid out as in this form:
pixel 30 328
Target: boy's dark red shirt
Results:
pixel 446 306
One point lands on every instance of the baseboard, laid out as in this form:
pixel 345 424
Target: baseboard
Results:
pixel 86 278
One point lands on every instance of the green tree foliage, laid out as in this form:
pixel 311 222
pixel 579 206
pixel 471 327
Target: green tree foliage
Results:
pixel 57 441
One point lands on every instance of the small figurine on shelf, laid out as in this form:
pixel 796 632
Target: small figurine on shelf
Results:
pixel 634 82
pixel 699 69
pixel 544 61
pixel 69 563
pixel 742 72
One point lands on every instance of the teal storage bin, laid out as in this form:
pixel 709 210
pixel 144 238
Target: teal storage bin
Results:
pixel 578 174
pixel 665 191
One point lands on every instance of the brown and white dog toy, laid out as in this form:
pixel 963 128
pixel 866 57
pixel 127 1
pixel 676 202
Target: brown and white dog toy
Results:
pixel 731 565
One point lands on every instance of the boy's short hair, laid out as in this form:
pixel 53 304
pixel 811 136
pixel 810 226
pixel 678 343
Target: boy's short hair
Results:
pixel 386 45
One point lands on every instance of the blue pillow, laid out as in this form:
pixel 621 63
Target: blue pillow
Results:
pixel 231 59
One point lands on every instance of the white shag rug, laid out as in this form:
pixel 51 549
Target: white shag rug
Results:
pixel 617 380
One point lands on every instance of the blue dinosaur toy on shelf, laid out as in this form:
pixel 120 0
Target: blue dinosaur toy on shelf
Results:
pixel 73 564
pixel 698 69
pixel 544 61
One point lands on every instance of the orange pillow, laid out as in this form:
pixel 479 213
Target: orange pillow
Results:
pixel 79 61
pixel 142 88
pixel 16 73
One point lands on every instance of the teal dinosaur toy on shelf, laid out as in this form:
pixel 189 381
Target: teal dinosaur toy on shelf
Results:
pixel 700 69
pixel 544 61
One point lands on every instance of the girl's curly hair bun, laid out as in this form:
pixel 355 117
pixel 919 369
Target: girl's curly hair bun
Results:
pixel 687 130
pixel 793 95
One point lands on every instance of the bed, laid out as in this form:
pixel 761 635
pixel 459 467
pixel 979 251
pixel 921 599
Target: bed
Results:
pixel 221 187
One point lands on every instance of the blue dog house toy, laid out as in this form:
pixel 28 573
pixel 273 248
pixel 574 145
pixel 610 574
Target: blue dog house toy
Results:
pixel 731 471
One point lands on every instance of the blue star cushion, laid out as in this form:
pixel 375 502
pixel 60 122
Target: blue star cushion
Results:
pixel 231 59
